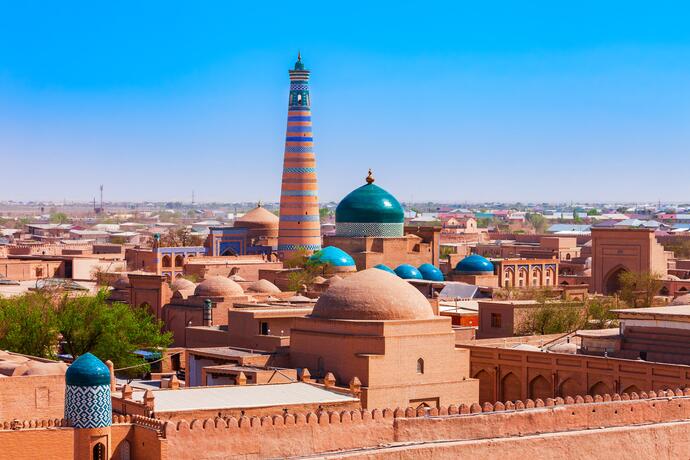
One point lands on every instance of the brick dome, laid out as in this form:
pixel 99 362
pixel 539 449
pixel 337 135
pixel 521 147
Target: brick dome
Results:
pixel 218 286
pixel 258 217
pixel 263 286
pixel 182 284
pixel 372 295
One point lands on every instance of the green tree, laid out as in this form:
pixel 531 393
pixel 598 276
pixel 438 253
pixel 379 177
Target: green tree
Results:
pixel 483 222
pixel 537 221
pixel 28 326
pixel 638 289
pixel 109 330
pixel 324 214
pixel 593 212
pixel 551 316
pixel 32 323
pixel 180 237
pixel 599 315
pixel 59 218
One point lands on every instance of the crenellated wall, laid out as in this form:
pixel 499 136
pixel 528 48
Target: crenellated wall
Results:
pixel 657 422
pixel 305 434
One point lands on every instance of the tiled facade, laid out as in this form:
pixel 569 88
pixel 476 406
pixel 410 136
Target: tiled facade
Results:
pixel 299 203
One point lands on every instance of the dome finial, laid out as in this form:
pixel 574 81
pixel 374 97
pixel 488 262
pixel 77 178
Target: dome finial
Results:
pixel 299 55
pixel 259 204
pixel 370 177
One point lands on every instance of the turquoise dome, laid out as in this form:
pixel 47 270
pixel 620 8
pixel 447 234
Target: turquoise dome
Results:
pixel 474 265
pixel 385 268
pixel 408 272
pixel 369 211
pixel 299 65
pixel 87 371
pixel 430 272
pixel 333 256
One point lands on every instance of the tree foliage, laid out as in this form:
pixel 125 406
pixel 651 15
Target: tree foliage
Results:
pixel 180 237
pixel 638 289
pixel 537 221
pixel 28 325
pixel 59 218
pixel 33 323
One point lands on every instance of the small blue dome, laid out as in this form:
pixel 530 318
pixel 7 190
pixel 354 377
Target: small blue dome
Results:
pixel 474 265
pixel 87 371
pixel 333 256
pixel 408 272
pixel 385 268
pixel 430 272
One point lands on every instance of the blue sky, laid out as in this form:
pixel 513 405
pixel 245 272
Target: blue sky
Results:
pixel 450 101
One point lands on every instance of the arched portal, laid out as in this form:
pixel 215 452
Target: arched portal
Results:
pixel 612 282
pixel 511 390
pixel 540 388
pixel 569 387
pixel 600 388
pixel 486 387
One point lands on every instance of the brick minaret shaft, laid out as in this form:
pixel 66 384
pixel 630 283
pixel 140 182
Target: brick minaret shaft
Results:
pixel 300 228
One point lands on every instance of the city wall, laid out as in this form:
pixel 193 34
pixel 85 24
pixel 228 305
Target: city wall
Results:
pixel 656 423
pixel 299 434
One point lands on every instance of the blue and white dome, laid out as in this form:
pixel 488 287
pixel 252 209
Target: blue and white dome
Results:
pixel 430 272
pixel 87 394
pixel 474 265
pixel 369 211
pixel 408 272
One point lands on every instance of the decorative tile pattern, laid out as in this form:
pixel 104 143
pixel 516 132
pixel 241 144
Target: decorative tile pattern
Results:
pixel 386 230
pixel 297 247
pixel 299 170
pixel 88 407
pixel 298 230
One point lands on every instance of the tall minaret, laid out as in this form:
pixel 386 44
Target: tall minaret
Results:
pixel 300 228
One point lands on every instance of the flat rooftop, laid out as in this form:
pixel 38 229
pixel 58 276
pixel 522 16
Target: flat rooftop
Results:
pixel 241 396
pixel 673 310
pixel 227 351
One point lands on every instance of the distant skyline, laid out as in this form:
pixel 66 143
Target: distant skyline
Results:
pixel 445 101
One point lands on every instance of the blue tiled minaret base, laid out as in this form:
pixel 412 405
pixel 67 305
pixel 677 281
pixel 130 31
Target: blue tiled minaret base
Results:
pixel 88 406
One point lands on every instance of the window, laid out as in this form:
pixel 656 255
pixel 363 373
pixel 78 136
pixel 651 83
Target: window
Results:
pixel 167 262
pixel 496 320
pixel 264 328
pixel 420 366
pixel 179 261
pixel 99 451
pixel 507 283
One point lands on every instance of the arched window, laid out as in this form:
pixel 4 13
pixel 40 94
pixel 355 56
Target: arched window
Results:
pixel 99 451
pixel 179 261
pixel 420 366
pixel 567 256
pixel 167 261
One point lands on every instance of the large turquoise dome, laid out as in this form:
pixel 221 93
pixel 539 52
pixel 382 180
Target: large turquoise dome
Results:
pixel 474 265
pixel 408 272
pixel 87 371
pixel 369 211
pixel 333 256
pixel 430 272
